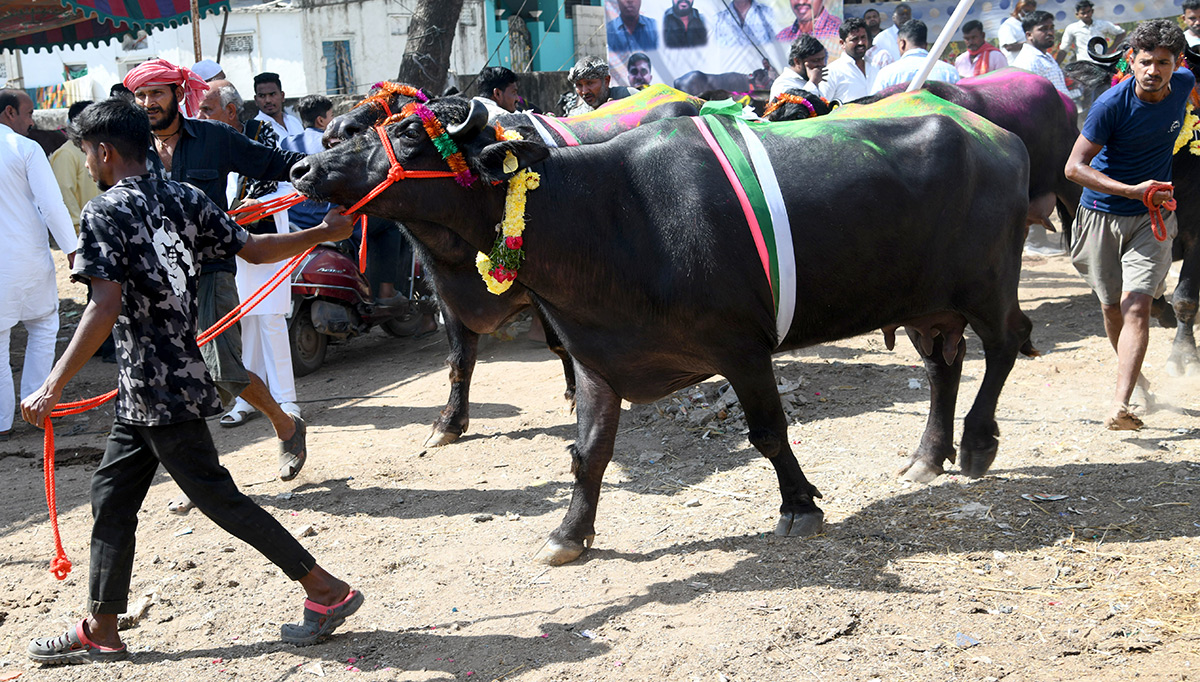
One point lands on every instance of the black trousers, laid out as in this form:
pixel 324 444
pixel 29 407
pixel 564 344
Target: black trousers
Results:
pixel 187 452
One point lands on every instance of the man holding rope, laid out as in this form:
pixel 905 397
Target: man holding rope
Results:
pixel 203 153
pixel 1121 243
pixel 141 245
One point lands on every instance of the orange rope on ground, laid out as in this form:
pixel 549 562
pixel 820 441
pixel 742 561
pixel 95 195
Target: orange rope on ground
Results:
pixel 60 565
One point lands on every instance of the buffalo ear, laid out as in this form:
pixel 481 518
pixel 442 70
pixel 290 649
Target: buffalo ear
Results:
pixel 527 152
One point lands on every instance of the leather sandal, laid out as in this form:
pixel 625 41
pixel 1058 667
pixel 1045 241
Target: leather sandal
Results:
pixel 293 452
pixel 238 415
pixel 73 646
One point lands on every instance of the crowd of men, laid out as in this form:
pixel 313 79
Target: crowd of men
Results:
pixel 145 225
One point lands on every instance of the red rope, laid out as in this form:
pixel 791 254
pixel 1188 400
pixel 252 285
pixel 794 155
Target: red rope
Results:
pixel 60 565
pixel 395 174
pixel 1157 224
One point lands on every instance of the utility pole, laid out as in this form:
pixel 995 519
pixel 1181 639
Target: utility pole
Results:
pixel 426 59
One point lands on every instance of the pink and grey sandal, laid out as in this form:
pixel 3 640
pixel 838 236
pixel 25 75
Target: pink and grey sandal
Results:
pixel 320 621
pixel 73 646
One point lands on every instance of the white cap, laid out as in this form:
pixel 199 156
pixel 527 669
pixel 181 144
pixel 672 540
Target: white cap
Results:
pixel 206 69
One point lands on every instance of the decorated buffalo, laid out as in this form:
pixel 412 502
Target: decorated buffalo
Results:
pixel 449 262
pixel 711 243
pixel 1185 172
pixel 1030 107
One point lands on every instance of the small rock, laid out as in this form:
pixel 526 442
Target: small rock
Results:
pixel 702 416
pixel 692 503
pixel 481 518
pixel 137 611
pixel 285 495
pixel 399 500
pixel 305 531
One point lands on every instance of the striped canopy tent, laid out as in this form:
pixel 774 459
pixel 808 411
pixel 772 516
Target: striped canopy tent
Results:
pixel 37 24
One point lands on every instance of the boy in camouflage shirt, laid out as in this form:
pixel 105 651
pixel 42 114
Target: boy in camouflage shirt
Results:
pixel 140 245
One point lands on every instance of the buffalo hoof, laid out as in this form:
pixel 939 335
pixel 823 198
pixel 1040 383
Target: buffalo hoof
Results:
pixel 557 552
pixel 800 524
pixel 976 458
pixel 439 438
pixel 921 471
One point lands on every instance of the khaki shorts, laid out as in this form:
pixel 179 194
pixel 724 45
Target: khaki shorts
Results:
pixel 1117 253
pixel 218 295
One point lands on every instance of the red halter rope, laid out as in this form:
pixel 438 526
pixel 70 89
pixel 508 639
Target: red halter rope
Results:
pixel 1157 224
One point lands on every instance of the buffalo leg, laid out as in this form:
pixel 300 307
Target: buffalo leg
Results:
pixel 798 514
pixel 1001 341
pixel 556 346
pixel 598 411
pixel 1183 359
pixel 937 443
pixel 455 416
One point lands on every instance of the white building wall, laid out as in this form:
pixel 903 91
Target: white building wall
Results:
pixel 286 39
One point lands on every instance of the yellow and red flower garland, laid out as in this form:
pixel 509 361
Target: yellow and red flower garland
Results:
pixel 499 268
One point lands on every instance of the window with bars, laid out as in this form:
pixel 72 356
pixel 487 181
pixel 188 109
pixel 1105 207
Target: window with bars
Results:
pixel 339 72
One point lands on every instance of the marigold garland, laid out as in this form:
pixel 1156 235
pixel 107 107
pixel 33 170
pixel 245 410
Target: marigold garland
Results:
pixel 500 267
pixel 440 138
pixel 788 98
pixel 1188 134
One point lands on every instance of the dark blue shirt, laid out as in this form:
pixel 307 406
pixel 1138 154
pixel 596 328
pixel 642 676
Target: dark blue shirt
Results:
pixel 643 39
pixel 208 151
pixel 1138 138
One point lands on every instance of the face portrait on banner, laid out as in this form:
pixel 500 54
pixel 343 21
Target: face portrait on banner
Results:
pixel 735 45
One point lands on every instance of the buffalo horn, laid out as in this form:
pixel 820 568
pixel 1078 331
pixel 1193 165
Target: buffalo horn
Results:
pixel 476 119
pixel 1096 48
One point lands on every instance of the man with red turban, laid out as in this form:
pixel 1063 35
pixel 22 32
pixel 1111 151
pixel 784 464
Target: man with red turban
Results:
pixel 203 153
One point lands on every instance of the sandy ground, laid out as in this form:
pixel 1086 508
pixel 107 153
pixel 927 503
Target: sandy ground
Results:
pixel 962 580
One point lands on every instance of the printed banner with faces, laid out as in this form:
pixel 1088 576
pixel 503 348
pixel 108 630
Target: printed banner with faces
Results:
pixel 701 45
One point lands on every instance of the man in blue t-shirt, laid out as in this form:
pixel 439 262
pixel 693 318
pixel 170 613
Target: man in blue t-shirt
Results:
pixel 1124 149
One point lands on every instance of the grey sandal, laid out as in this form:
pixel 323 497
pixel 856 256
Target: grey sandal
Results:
pixel 293 452
pixel 73 646
pixel 320 621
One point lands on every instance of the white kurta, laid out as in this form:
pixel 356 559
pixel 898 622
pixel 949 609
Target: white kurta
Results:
pixel 32 207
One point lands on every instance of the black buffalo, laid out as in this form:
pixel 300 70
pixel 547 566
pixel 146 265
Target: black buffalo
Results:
pixel 467 308
pixel 664 284
pixel 1031 108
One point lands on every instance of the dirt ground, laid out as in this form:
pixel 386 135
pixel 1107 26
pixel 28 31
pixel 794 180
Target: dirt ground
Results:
pixel 959 580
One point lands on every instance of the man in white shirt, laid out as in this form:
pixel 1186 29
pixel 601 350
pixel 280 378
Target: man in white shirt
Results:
pixel 1039 37
pixel 1191 22
pixel 1012 35
pixel 1076 35
pixel 850 76
pixel 981 56
pixel 268 96
pixel 886 43
pixel 805 70
pixel 32 206
pixel 913 36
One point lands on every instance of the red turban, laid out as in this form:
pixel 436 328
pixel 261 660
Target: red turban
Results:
pixel 163 72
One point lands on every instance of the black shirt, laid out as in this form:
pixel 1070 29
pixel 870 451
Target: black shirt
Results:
pixel 208 151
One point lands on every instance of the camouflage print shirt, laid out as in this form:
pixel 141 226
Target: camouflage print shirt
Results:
pixel 149 235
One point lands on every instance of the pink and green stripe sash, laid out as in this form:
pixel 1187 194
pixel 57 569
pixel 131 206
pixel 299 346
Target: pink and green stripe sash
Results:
pixel 762 203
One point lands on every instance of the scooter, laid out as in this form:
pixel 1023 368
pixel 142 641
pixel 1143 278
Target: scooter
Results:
pixel 332 301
